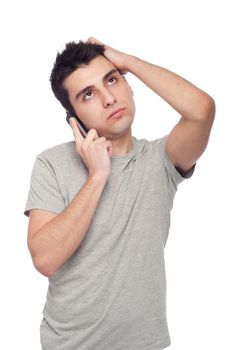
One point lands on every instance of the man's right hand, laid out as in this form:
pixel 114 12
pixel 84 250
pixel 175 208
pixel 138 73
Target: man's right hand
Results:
pixel 95 151
pixel 53 238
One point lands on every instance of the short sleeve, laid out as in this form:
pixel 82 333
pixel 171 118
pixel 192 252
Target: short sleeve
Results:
pixel 175 175
pixel 44 192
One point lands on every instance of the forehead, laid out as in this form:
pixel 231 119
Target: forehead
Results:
pixel 90 74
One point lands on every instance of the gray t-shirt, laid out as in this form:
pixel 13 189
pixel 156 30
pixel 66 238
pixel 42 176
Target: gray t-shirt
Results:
pixel 111 293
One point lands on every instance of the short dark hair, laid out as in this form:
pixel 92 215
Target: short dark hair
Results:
pixel 72 57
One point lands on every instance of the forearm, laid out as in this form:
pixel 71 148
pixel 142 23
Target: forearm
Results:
pixel 57 240
pixel 188 100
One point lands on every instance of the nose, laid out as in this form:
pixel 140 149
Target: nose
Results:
pixel 107 98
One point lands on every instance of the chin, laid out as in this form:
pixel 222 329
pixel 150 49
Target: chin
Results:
pixel 120 130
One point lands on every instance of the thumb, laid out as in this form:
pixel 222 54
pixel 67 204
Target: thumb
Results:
pixel 93 40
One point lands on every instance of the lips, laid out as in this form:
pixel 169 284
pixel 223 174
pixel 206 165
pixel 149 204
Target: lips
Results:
pixel 115 113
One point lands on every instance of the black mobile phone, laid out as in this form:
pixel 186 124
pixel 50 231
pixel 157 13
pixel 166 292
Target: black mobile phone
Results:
pixel 83 129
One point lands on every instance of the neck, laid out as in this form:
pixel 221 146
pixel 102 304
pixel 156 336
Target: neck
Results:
pixel 123 145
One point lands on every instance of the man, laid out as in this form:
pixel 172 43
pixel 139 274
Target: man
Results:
pixel 100 207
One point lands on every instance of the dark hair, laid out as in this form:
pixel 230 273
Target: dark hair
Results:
pixel 72 57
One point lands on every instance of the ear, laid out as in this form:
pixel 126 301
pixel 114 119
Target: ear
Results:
pixel 132 92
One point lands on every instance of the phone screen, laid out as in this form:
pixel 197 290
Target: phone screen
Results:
pixel 83 129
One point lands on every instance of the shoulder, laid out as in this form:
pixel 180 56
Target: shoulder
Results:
pixel 58 152
pixel 62 160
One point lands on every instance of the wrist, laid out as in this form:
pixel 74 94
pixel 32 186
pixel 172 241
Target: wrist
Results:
pixel 98 177
pixel 130 62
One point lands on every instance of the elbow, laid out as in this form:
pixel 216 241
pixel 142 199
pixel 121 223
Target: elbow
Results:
pixel 44 267
pixel 209 108
pixel 42 262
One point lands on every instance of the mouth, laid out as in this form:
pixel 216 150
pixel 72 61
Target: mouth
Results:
pixel 117 113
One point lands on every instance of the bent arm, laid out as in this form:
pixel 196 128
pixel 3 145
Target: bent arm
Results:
pixel 188 100
pixel 188 139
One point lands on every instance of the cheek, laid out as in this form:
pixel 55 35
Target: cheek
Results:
pixel 83 110
pixel 126 92
pixel 132 104
pixel 88 113
pixel 129 97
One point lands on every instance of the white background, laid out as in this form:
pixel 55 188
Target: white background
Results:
pixel 191 38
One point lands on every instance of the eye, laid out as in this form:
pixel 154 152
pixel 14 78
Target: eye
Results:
pixel 112 80
pixel 87 95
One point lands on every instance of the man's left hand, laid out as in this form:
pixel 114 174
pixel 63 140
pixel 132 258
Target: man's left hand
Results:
pixel 118 58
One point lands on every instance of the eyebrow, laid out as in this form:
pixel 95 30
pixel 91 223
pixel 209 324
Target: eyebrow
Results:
pixel 92 86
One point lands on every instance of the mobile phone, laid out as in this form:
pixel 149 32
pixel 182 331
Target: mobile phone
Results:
pixel 83 129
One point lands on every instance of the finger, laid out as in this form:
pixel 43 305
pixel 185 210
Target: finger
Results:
pixel 76 132
pixel 91 136
pixel 122 72
pixel 109 148
pixel 100 139
pixel 106 143
pixel 93 40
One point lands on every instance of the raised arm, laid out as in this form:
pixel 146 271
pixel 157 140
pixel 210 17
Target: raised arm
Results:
pixel 189 137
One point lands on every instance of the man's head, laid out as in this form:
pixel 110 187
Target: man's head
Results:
pixel 88 85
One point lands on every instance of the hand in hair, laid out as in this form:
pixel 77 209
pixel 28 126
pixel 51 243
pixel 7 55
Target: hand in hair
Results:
pixel 118 58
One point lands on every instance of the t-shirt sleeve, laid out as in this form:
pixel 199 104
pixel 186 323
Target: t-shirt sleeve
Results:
pixel 175 176
pixel 44 192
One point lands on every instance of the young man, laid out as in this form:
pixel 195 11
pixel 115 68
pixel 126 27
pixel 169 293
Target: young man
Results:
pixel 100 207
